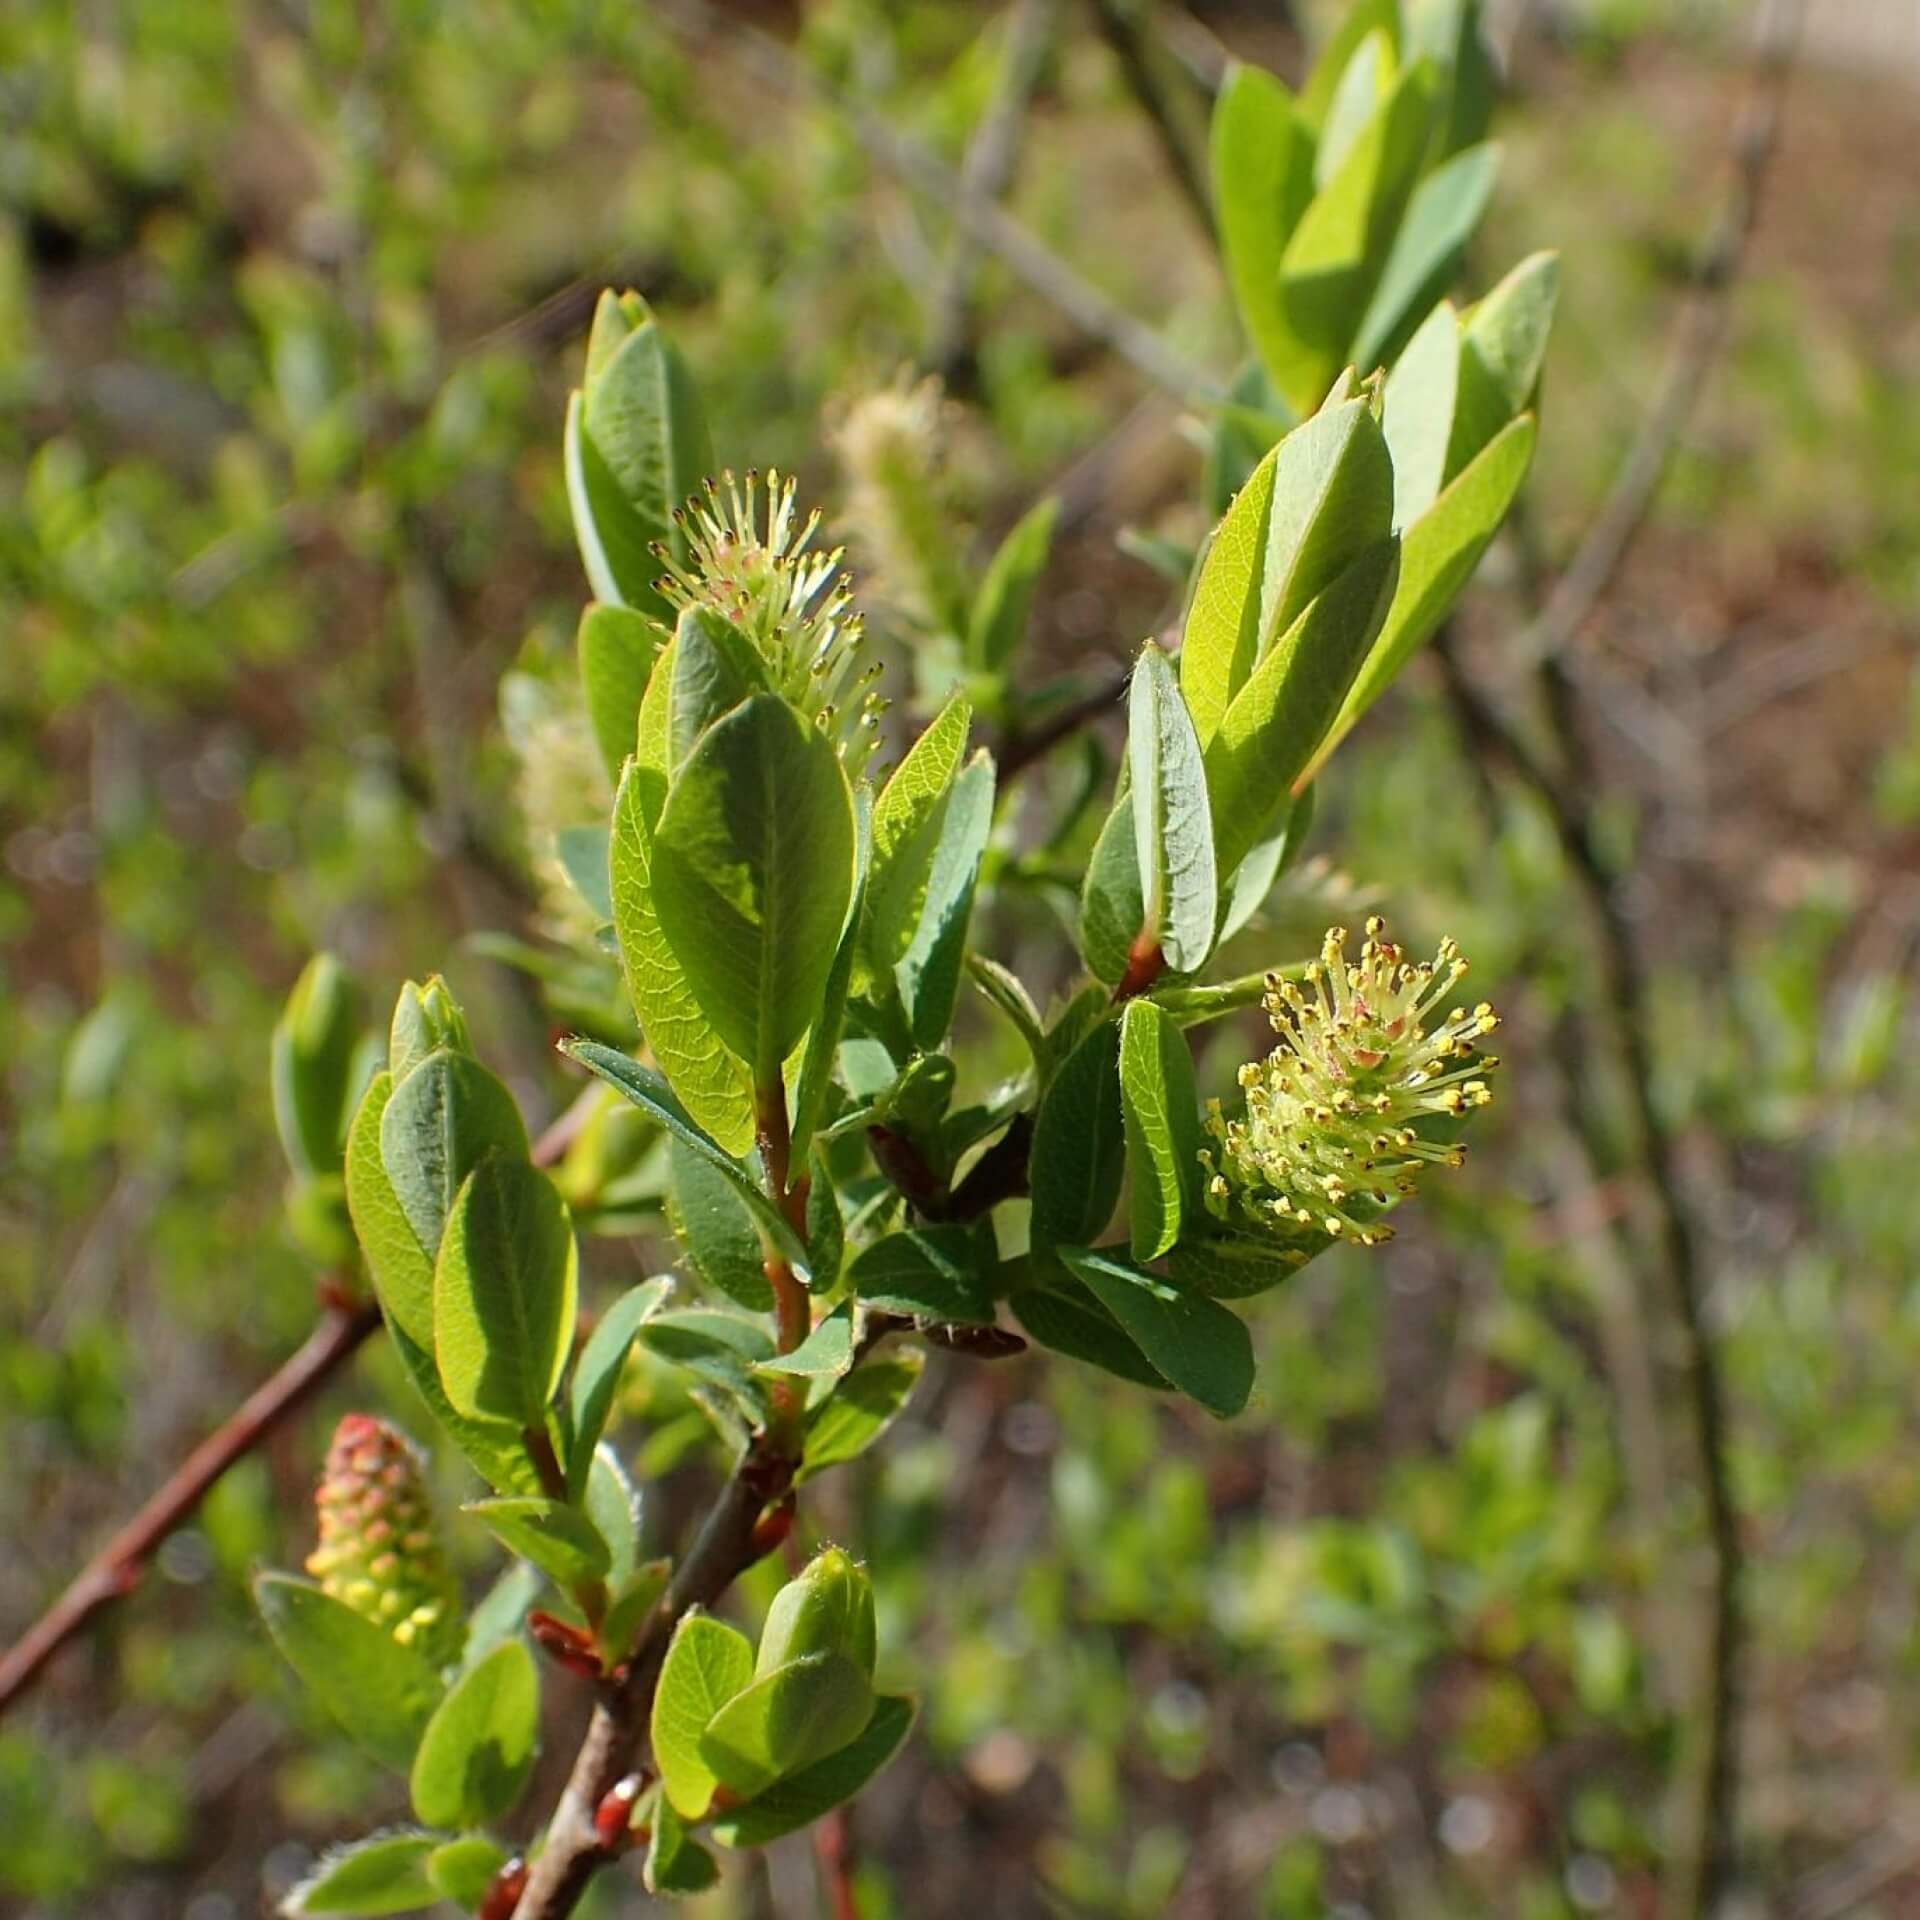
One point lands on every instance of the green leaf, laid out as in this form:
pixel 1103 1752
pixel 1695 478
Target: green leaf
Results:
pixel 1172 826
pixel 464 1870
pixel 1438 557
pixel 402 1274
pixel 1079 1149
pixel 385 1873
pixel 1065 1317
pixel 1262 169
pixel 476 1755
pixel 712 1083
pixel 636 447
pixel 617 648
pixel 501 1613
pixel 1426 253
pixel 1332 58
pixel 932 1272
pixel 827 1350
pixel 1334 259
pixel 380 1692
pixel 1196 1343
pixel 596 1374
pixel 1267 739
pixel 676 1862
pixel 803 1797
pixel 1231 1268
pixel 648 1091
pixel 928 973
pixel 1112 910
pixel 612 1503
pixel 1503 346
pixel 708 1663
pixel 711 669
pixel 561 1541
pixel 753 874
pixel 859 1410
pixel 1008 992
pixel 496 1448
pixel 315 1043
pixel 504 1291
pixel 582 853
pixel 1448 32
pixel 786 1720
pixel 1417 417
pixel 715 1229
pixel 439 1123
pixel 1005 601
pixel 826 1227
pixel 1163 1127
pixel 632 1605
pixel 907 819
pixel 1365 77
pixel 1319 500
pixel 815 1079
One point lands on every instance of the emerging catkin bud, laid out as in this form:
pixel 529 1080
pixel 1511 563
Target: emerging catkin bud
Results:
pixel 1331 1137
pixel 761 572
pixel 378 1550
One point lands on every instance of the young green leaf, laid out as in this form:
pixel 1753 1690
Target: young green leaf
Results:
pixel 1417 413
pixel 380 1692
pixel 1425 257
pixel 1503 346
pixel 711 668
pixel 1282 713
pixel 1112 908
pixel 826 1227
pixel 561 1541
pixel 648 1091
pixel 928 973
pixel 932 1272
pixel 612 1502
pixel 1438 557
pixel 402 1274
pixel 1253 879
pixel 315 1043
pixel 715 1229
pixel 858 1411
pixel 1001 608
pixel 708 1663
pixel 1065 1317
pixel 753 874
pixel 1197 1344
pixel 712 1083
pixel 1335 54
pixel 439 1123
pixel 1228 1267
pixel 503 1293
pixel 677 1864
pixel 815 1079
pixel 476 1754
pixel 384 1873
pixel 907 819
pixel 827 1350
pixel 1163 1128
pixel 496 1448
pixel 803 1797
pixel 1172 825
pixel 583 855
pixel 1262 168
pixel 617 648
pixel 1079 1148
pixel 786 1720
pixel 464 1870
pixel 596 1374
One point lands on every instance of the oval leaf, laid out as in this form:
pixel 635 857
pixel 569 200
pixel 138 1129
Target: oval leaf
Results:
pixel 1172 824
pixel 707 1664
pixel 477 1752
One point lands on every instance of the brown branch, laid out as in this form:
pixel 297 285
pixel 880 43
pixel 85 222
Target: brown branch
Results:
pixel 834 1850
pixel 728 1544
pixel 1019 751
pixel 118 1567
pixel 116 1570
pixel 1698 335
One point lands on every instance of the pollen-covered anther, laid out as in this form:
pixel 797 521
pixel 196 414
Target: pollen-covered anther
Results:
pixel 1336 1117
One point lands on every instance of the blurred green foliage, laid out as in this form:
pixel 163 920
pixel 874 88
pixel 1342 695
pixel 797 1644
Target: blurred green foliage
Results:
pixel 286 319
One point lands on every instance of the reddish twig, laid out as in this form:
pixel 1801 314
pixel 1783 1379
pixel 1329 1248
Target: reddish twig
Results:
pixel 833 1849
pixel 117 1568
